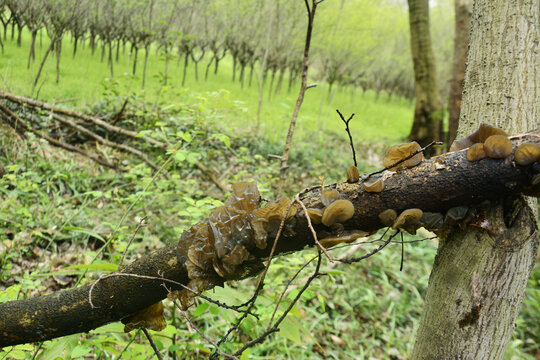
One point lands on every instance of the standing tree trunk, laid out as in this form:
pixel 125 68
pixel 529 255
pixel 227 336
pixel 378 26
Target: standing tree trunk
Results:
pixel 427 124
pixel 479 279
pixel 463 10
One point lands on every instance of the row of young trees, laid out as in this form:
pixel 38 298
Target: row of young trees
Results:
pixel 359 43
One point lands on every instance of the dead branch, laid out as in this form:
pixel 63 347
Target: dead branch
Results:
pixel 435 185
pixel 20 123
pixel 97 121
pixel 104 141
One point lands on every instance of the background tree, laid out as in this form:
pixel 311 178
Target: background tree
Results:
pixel 427 123
pixel 463 10
pixel 479 277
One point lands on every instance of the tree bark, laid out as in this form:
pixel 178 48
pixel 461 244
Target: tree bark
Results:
pixel 427 124
pixel 435 186
pixel 463 11
pixel 478 282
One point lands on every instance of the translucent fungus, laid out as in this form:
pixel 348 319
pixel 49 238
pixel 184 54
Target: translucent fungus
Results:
pixel 346 238
pixel 315 215
pixel 399 152
pixel 150 317
pixel 476 152
pixel 268 218
pixel 479 136
pixel 498 146
pixel 353 176
pixel 375 185
pixel 432 221
pixel 329 196
pixel 408 220
pixel 527 153
pixel 387 217
pixel 486 130
pixel 455 214
pixel 337 212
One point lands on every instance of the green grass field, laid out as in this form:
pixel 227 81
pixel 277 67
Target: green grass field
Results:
pixel 84 78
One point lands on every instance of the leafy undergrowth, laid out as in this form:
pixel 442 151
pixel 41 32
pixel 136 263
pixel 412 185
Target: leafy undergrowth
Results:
pixel 60 212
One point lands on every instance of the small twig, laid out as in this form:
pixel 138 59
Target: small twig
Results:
pixel 402 253
pixel 349 133
pixel 404 159
pixel 119 114
pixel 309 86
pixel 275 327
pixel 287 287
pixel 353 260
pixel 151 341
pixel 131 240
pixel 310 226
pixel 201 334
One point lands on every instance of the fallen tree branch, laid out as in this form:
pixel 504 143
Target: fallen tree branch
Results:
pixel 96 121
pixel 20 123
pixel 104 141
pixel 435 185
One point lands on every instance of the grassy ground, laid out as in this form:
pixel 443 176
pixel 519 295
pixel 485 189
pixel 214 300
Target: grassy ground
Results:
pixel 85 79
pixel 57 207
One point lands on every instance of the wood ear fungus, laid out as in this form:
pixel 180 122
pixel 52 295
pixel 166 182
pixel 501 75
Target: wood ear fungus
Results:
pixel 408 220
pixel 353 176
pixel 346 238
pixel 498 146
pixel 329 196
pixel 479 136
pixel 432 221
pixel 476 152
pixel 150 317
pixel 527 153
pixel 399 152
pixel 387 217
pixel 315 215
pixel 337 212
pixel 374 185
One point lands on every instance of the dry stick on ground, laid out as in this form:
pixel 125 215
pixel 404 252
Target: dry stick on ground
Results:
pixel 104 141
pixel 300 99
pixel 118 130
pixel 7 112
pixel 435 185
pixel 45 106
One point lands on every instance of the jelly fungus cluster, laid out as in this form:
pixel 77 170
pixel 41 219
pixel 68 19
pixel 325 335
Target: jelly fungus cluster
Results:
pixel 218 248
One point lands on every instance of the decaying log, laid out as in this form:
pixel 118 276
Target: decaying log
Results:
pixel 435 185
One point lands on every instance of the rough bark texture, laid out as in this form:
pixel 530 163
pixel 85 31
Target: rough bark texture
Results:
pixel 427 125
pixel 435 185
pixel 463 12
pixel 478 283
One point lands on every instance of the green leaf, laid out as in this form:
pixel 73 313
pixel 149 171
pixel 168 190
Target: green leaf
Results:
pixel 80 350
pixel 201 309
pixel 56 350
pixel 17 354
pixel 290 330
pixel 321 300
